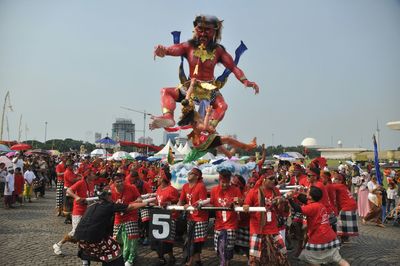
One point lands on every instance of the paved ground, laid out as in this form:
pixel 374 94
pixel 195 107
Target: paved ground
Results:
pixel 27 234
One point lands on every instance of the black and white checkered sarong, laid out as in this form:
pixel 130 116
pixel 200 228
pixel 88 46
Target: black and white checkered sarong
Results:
pixel 230 241
pixel 172 234
pixel 347 224
pixel 59 194
pixel 144 214
pixel 131 228
pixel 200 231
pixel 242 237
pixel 317 247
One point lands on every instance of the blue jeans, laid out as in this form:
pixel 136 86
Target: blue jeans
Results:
pixel 383 212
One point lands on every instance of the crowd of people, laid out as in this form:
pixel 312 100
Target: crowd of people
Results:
pixel 27 178
pixel 310 209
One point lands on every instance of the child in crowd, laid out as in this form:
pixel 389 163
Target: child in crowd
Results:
pixel 391 196
pixel 9 189
pixel 18 185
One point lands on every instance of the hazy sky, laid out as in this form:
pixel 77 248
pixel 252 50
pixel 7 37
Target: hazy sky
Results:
pixel 326 69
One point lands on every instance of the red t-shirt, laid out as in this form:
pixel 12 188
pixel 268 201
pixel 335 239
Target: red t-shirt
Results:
pixel 128 195
pixel 292 181
pixel 18 183
pixel 303 181
pixel 332 197
pixel 84 190
pixel 244 217
pixel 167 195
pixel 225 198
pixel 100 181
pixel 325 197
pixel 319 229
pixel 344 198
pixel 69 178
pixel 142 186
pixel 82 167
pixel 60 168
pixel 191 196
pixel 252 200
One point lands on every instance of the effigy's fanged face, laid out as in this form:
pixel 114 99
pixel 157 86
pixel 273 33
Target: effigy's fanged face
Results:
pixel 204 34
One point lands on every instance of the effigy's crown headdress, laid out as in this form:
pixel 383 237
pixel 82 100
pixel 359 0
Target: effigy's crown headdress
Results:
pixel 208 22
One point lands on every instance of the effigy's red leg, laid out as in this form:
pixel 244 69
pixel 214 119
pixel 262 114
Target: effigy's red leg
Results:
pixel 219 108
pixel 169 96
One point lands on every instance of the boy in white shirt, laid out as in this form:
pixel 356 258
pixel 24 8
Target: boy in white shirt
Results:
pixel 9 189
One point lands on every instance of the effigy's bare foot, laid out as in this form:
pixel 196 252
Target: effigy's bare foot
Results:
pixel 252 145
pixel 161 122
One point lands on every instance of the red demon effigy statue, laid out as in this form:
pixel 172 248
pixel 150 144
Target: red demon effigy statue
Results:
pixel 203 52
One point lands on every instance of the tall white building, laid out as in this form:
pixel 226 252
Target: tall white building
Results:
pixel 123 130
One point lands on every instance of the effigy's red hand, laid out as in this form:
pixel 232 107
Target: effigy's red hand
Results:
pixel 160 51
pixel 253 85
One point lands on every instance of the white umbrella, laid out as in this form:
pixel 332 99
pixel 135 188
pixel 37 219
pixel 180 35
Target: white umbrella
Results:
pixel 6 161
pixel 295 154
pixel 135 154
pixel 98 152
pixel 119 155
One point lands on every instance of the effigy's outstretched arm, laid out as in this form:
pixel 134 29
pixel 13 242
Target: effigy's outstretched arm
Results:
pixel 228 62
pixel 173 50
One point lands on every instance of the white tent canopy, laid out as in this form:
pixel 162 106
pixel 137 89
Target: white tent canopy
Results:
pixel 186 150
pixel 165 150
pixel 180 148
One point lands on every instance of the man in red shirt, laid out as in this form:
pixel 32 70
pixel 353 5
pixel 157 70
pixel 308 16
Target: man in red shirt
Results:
pixel 322 246
pixel 243 232
pixel 313 176
pixel 166 195
pixel 193 193
pixel 347 206
pixel 70 178
pixel 226 222
pixel 126 229
pixel 60 169
pixel 79 191
pixel 267 247
pixel 143 188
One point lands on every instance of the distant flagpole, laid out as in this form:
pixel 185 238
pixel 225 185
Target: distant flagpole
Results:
pixel 376 161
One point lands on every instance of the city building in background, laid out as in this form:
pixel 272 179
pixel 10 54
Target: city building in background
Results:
pixel 123 130
pixel 97 136
pixel 146 140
